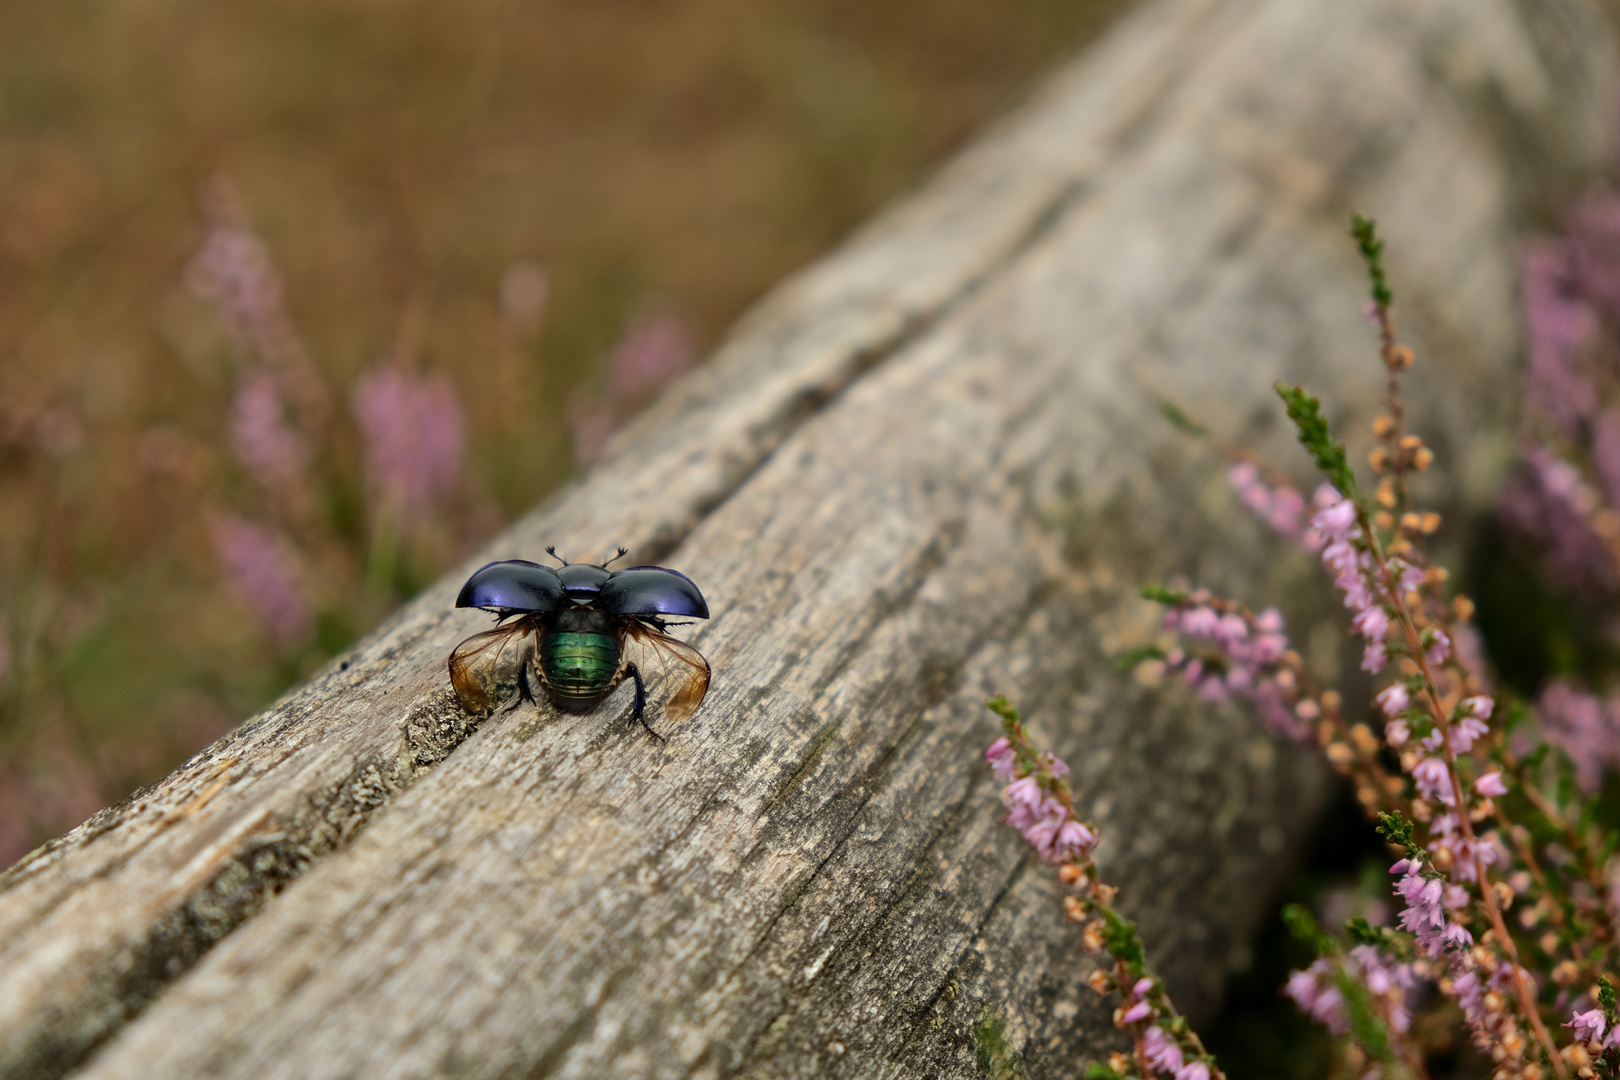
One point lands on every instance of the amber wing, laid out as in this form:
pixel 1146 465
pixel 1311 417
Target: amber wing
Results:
pixel 478 655
pixel 685 667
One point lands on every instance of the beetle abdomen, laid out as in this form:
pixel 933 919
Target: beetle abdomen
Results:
pixel 580 667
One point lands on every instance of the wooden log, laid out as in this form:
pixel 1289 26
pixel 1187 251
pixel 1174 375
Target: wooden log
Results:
pixel 925 470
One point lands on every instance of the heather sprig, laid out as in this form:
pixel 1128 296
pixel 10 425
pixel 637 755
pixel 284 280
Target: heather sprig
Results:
pixel 1041 806
pixel 1306 413
pixel 1359 993
pixel 1484 823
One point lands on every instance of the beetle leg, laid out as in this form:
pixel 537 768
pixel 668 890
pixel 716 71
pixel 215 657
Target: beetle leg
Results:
pixel 525 691
pixel 639 710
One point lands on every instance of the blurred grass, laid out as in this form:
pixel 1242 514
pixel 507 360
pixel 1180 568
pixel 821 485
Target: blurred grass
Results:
pixel 652 156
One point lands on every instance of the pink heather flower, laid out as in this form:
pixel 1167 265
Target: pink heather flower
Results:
pixel 1407 577
pixel 1588 1025
pixel 1422 895
pixel 1074 840
pixel 1474 855
pixel 1434 780
pixel 1269 621
pixel 1374 657
pixel 1336 521
pixel 1022 797
pixel 1269 648
pixel 1200 622
pixel 1439 649
pixel 1464 733
pixel 1373 623
pixel 1470 994
pixel 1380 973
pixel 1396 733
pixel 1490 785
pixel 1232 629
pixel 655 351
pixel 263 440
pixel 1314 993
pixel 1281 506
pixel 1003 760
pixel 1196 1070
pixel 1054 764
pixel 1042 836
pixel 414 439
pixel 1424 915
pixel 1481 706
pixel 1287 507
pixel 1394 700
pixel 262 569
pixel 1137 1013
pixel 1162 1053
pixel 1142 986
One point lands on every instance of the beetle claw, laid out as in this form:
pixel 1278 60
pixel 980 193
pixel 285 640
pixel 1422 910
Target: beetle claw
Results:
pixel 638 710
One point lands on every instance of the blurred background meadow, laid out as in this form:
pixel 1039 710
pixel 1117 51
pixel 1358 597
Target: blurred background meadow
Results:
pixel 301 301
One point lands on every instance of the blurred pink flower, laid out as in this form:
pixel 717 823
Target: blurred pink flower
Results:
pixel 233 271
pixel 1606 454
pixel 1547 503
pixel 654 352
pixel 415 439
pixel 1559 323
pixel 1593 228
pixel 525 287
pixel 263 570
pixel 58 431
pixel 263 440
pixel 1586 729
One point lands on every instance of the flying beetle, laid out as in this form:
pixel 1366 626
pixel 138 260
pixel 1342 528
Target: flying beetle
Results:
pixel 596 627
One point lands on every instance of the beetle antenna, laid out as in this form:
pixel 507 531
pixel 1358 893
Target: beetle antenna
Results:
pixel 552 551
pixel 622 553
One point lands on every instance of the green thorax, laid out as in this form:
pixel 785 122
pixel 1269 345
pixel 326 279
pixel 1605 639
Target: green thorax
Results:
pixel 580 658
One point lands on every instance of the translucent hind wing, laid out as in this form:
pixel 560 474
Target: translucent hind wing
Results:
pixel 685 667
pixel 472 664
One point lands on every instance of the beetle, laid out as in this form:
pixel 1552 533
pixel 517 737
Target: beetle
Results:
pixel 595 628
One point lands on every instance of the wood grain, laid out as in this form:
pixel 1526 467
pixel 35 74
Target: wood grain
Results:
pixel 925 470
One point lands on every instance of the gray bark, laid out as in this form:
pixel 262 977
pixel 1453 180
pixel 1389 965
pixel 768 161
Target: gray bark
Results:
pixel 925 470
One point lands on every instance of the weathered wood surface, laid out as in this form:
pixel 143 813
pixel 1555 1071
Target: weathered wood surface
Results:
pixel 925 470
